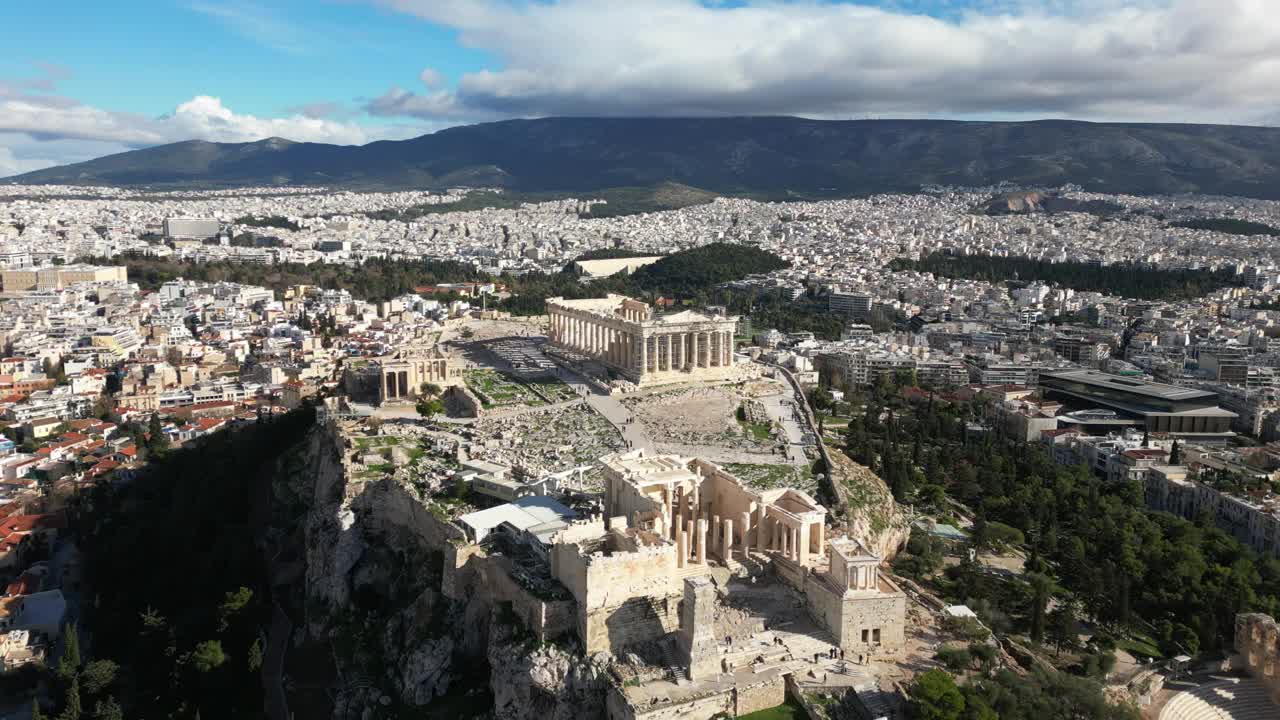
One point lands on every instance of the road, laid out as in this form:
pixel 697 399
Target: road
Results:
pixel 784 415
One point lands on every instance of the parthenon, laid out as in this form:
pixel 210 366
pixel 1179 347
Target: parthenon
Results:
pixel 624 335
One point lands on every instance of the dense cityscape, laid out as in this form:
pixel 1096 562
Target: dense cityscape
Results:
pixel 965 448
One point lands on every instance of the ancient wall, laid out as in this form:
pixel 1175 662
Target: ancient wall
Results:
pixel 763 695
pixel 1258 642
pixel 737 700
pixel 698 708
pixel 622 594
pixel 847 616
pixel 459 401
pixel 472 576
pixel 634 622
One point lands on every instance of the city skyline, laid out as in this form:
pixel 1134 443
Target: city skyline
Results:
pixel 137 74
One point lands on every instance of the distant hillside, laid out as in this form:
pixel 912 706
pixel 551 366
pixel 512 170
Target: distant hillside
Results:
pixel 775 156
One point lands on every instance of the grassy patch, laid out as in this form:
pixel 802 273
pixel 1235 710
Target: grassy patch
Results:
pixel 759 431
pixel 504 391
pixel 765 477
pixel 786 711
pixel 1139 646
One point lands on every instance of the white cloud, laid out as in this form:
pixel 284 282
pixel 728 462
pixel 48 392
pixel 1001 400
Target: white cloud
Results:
pixel 202 117
pixel 1157 60
pixel 44 130
pixel 432 78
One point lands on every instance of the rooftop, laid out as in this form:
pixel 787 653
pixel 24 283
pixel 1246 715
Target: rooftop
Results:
pixel 1129 385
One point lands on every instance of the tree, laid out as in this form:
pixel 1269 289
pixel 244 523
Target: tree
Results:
pixel 69 663
pixel 255 655
pixel 98 675
pixel 976 706
pixel 1041 591
pixel 36 713
pixel 157 440
pixel 232 604
pixel 1062 627
pixel 107 709
pixel 71 707
pixel 821 399
pixel 1000 535
pixel 985 655
pixel 934 696
pixel 955 658
pixel 429 407
pixel 431 389
pixel 208 656
pixel 1175 454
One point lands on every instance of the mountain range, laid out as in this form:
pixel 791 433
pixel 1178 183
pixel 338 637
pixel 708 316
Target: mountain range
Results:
pixel 763 156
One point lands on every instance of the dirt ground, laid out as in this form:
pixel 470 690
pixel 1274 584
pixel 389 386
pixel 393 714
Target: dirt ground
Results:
pixel 697 415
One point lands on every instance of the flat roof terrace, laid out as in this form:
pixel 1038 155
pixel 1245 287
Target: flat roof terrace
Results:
pixel 1154 390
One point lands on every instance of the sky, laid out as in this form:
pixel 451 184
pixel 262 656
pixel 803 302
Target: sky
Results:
pixel 84 78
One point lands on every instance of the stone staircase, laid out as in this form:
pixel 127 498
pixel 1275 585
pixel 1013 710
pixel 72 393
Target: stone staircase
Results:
pixel 674 664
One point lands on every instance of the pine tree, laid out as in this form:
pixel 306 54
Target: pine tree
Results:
pixel 71 647
pixel 71 709
pixel 69 663
pixel 1175 454
pixel 157 442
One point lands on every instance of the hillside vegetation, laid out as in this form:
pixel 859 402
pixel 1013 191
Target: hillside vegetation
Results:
pixel 1121 279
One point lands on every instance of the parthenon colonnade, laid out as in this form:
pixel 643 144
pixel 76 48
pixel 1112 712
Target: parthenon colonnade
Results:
pixel 623 334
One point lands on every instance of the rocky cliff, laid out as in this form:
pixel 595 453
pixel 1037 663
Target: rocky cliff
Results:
pixel 866 506
pixel 542 681
pixel 375 571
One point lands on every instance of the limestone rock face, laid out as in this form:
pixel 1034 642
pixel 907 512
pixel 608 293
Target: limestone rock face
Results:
pixel 332 545
pixel 425 671
pixel 870 513
pixel 542 682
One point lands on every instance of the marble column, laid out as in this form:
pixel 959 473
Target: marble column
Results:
pixel 746 527
pixel 644 354
pixel 726 542
pixel 822 539
pixel 802 546
pixel 681 552
pixel 702 541
pixel 762 539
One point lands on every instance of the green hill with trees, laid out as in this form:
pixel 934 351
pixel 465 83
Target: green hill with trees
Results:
pixel 1121 279
pixel 1231 226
